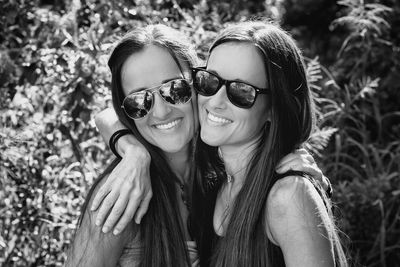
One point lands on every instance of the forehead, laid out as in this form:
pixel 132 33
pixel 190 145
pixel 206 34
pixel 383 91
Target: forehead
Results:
pixel 238 60
pixel 147 68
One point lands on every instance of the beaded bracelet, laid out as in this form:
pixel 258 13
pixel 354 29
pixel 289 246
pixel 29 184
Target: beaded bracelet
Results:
pixel 114 138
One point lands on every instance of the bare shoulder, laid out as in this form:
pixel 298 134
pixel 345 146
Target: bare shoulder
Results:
pixel 290 191
pixel 298 222
pixel 293 200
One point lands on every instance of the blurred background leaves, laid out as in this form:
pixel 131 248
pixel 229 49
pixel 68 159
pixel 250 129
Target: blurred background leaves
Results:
pixel 54 79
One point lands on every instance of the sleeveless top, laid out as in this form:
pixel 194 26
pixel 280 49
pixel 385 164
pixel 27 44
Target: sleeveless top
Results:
pixel 131 254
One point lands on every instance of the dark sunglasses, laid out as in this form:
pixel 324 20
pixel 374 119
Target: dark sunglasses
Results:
pixel 240 94
pixel 138 104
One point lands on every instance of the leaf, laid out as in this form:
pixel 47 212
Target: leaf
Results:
pixel 319 139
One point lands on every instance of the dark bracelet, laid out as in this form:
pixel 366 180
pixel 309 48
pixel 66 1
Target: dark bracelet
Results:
pixel 114 138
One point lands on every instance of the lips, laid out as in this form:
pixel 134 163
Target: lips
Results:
pixel 168 125
pixel 217 119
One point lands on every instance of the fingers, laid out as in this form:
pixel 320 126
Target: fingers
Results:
pixel 99 196
pixel 133 198
pixel 294 159
pixel 143 207
pixel 327 186
pixel 121 195
pixel 127 216
pixel 298 153
pixel 293 166
pixel 105 207
pixel 116 211
pixel 105 188
pixel 302 164
pixel 301 160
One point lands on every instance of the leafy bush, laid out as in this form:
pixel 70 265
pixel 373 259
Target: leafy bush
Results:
pixel 54 78
pixel 360 92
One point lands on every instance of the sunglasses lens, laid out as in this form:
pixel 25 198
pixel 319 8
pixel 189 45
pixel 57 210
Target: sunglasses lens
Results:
pixel 176 92
pixel 241 94
pixel 205 83
pixel 137 105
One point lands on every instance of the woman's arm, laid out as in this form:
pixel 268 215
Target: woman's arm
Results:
pixel 129 186
pixel 127 190
pixel 91 247
pixel 107 122
pixel 121 189
pixel 298 222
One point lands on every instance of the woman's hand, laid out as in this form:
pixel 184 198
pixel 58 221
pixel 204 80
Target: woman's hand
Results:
pixel 126 192
pixel 301 160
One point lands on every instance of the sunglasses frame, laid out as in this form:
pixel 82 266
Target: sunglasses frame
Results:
pixel 227 84
pixel 154 89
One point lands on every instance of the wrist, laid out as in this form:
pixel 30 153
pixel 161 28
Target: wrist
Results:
pixel 128 146
pixel 113 142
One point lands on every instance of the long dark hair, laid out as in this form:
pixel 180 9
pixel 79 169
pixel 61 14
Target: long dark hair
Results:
pixel 161 230
pixel 292 120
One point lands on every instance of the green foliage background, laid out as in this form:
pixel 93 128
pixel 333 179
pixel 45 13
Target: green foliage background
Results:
pixel 54 79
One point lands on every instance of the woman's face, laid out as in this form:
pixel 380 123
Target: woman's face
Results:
pixel 222 123
pixel 169 127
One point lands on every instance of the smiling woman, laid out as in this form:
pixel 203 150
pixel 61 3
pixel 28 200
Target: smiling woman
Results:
pixel 165 125
pixel 255 106
pixel 239 64
pixel 152 96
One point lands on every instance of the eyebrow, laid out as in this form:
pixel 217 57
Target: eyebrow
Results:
pixel 236 79
pixel 146 88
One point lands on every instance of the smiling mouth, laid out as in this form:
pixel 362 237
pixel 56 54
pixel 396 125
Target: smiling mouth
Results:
pixel 217 120
pixel 167 126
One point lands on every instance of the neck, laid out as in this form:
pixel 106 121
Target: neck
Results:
pixel 236 159
pixel 179 163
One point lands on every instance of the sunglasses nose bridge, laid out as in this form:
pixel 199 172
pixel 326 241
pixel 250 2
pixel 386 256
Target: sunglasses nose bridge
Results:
pixel 220 98
pixel 160 108
pixel 223 88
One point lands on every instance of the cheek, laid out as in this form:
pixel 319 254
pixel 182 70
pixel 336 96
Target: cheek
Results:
pixel 141 126
pixel 255 119
pixel 190 114
pixel 201 100
pixel 262 109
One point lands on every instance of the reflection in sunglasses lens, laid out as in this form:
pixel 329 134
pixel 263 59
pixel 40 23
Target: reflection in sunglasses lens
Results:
pixel 242 94
pixel 137 105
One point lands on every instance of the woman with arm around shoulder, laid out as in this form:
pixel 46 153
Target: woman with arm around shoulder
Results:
pixel 152 96
pixel 255 105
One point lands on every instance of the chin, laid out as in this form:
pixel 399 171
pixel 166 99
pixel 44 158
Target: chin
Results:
pixel 210 139
pixel 172 146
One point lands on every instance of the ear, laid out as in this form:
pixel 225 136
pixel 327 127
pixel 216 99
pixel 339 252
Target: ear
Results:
pixel 267 121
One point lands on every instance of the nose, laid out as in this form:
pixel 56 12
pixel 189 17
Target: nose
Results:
pixel 218 100
pixel 161 109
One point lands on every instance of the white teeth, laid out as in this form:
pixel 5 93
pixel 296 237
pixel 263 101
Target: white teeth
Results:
pixel 167 126
pixel 216 119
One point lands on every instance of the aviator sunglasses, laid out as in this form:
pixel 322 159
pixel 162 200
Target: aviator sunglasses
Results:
pixel 241 94
pixel 138 104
